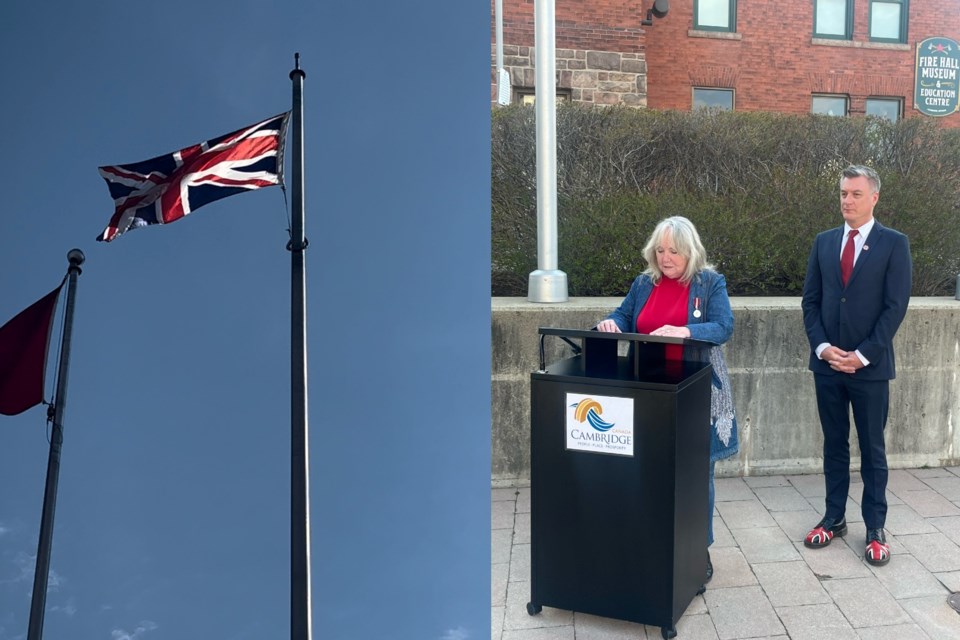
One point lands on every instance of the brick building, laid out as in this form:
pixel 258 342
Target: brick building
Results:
pixel 843 57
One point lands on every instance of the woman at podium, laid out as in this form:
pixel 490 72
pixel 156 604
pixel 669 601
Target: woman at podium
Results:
pixel 680 295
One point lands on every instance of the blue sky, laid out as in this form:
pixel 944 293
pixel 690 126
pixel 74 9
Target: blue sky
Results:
pixel 173 512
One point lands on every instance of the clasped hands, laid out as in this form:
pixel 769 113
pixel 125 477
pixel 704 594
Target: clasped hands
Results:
pixel 840 360
pixel 609 326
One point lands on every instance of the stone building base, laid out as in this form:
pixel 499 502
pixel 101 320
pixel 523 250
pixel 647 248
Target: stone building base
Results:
pixel 592 77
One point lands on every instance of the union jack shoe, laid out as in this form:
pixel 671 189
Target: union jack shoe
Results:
pixel 821 535
pixel 877 552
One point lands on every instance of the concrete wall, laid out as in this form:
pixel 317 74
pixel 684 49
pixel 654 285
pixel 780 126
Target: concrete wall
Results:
pixel 773 389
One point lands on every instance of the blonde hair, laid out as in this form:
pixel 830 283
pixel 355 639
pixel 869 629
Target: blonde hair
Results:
pixel 687 242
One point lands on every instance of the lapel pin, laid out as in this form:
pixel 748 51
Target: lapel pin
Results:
pixel 866 248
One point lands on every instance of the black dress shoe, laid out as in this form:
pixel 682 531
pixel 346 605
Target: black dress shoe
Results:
pixel 821 535
pixel 877 552
pixel 709 569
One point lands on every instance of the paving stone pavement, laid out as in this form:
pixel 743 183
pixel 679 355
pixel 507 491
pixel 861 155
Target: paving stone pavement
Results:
pixel 766 583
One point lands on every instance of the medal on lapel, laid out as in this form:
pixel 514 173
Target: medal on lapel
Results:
pixel 696 307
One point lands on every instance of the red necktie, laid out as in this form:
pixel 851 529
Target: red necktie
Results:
pixel 846 258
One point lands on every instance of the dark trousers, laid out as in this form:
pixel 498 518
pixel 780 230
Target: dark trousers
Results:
pixel 870 400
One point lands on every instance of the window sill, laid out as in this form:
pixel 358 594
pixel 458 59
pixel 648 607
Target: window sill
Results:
pixel 857 44
pixel 718 35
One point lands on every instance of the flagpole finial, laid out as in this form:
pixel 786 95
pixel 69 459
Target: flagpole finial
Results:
pixel 297 71
pixel 75 257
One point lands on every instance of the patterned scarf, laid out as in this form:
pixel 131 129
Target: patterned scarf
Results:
pixel 721 398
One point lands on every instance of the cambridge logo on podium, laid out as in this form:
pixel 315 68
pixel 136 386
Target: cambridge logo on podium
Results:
pixel 600 424
pixel 590 410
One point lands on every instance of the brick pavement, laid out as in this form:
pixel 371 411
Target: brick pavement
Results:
pixel 766 583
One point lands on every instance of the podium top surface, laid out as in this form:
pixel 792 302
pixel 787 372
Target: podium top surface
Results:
pixel 598 359
pixel 664 376
pixel 630 337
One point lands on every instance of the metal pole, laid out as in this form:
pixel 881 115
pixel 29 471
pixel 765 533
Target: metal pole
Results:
pixel 547 283
pixel 39 600
pixel 300 618
pixel 503 78
pixel 498 10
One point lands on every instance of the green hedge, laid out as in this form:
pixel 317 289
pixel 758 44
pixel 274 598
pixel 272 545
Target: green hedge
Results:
pixel 759 187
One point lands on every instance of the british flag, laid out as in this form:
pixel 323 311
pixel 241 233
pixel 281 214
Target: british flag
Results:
pixel 168 187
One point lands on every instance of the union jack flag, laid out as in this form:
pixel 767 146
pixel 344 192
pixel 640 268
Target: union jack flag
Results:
pixel 168 187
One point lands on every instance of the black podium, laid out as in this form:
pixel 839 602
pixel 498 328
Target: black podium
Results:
pixel 620 450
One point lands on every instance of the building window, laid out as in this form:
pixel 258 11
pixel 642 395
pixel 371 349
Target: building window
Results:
pixel 713 99
pixel 889 108
pixel 528 95
pixel 715 15
pixel 830 105
pixel 888 20
pixel 833 19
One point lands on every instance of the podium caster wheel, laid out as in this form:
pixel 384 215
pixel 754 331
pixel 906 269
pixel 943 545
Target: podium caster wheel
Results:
pixel 668 633
pixel 534 609
pixel 702 590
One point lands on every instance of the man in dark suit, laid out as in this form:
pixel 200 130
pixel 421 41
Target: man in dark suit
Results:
pixel 854 297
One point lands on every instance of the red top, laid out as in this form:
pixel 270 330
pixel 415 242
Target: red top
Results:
pixel 667 304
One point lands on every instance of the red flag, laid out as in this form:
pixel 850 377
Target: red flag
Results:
pixel 23 355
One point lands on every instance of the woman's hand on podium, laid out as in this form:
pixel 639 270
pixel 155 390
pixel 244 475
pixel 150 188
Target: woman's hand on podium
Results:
pixel 608 326
pixel 671 331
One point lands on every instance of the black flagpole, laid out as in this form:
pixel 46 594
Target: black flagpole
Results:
pixel 300 623
pixel 39 600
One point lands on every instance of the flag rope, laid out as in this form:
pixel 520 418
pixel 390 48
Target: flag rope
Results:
pixel 286 210
pixel 53 383
pixel 51 409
